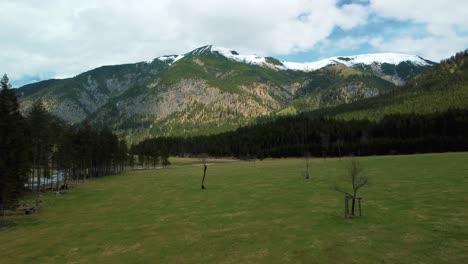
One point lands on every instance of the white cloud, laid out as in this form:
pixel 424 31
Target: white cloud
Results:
pixel 437 14
pixel 441 17
pixel 350 43
pixel 433 47
pixel 68 37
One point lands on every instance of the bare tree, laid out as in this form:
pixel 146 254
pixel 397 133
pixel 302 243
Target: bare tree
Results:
pixel 307 159
pixel 356 177
pixel 203 159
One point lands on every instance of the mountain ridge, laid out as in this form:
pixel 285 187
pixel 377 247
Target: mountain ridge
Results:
pixel 349 61
pixel 359 59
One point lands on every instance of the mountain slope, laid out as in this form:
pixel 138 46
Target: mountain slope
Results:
pixel 213 89
pixel 201 93
pixel 338 84
pixel 74 99
pixel 443 87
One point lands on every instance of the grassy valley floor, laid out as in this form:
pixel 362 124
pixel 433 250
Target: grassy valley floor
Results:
pixel 415 210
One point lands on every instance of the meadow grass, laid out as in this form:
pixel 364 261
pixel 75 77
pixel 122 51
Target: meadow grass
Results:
pixel 415 210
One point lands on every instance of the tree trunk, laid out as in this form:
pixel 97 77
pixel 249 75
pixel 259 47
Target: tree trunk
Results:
pixel 203 179
pixel 57 186
pixel 31 179
pixel 3 214
pixel 83 172
pixel 38 171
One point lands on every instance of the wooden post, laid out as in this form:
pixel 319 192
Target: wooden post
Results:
pixel 346 207
pixel 346 211
pixel 360 207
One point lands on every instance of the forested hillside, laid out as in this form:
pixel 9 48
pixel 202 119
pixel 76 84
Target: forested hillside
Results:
pixel 443 87
pixel 429 114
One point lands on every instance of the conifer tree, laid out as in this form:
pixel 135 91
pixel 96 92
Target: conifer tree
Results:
pixel 13 148
pixel 40 122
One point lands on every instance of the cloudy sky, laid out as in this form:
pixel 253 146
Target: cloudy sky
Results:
pixel 44 39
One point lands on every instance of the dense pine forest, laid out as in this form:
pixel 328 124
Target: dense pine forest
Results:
pixel 39 152
pixel 323 136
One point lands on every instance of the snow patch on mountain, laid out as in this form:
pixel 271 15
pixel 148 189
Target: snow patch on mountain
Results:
pixel 308 66
pixel 179 57
pixel 170 59
pixel 390 58
pixel 351 61
pixel 233 55
pixel 167 58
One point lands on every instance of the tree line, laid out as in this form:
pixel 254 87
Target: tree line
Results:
pixel 455 58
pixel 39 151
pixel 325 136
pixel 148 156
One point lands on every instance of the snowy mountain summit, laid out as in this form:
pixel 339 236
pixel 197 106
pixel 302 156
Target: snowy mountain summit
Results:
pixel 210 49
pixel 349 61
pixel 356 60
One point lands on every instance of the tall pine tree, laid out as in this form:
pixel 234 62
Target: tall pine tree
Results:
pixel 13 148
pixel 40 122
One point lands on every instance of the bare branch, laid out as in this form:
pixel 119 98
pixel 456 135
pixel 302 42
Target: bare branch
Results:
pixel 339 189
pixel 362 181
pixel 355 177
pixel 203 158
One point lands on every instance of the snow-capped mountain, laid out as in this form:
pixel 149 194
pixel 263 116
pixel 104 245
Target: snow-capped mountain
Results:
pixel 349 61
pixel 213 89
pixel 210 49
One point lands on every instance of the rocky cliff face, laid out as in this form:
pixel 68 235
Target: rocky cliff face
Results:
pixel 75 99
pixel 191 106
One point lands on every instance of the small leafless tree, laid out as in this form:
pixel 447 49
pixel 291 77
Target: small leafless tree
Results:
pixel 307 160
pixel 203 159
pixel 356 177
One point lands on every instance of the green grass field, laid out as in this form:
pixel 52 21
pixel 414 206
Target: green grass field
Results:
pixel 414 211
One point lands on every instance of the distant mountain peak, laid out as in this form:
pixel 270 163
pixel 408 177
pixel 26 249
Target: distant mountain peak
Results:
pixel 211 49
pixel 363 59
